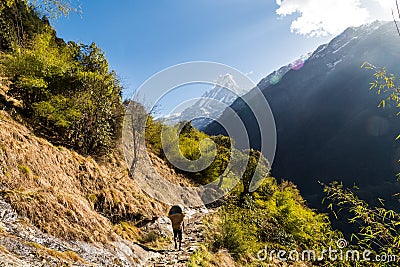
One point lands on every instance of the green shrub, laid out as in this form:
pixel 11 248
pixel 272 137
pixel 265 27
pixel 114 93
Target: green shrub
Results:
pixel 68 92
pixel 192 148
pixel 274 216
pixel 150 237
pixel 24 169
pixel 236 232
pixel 201 258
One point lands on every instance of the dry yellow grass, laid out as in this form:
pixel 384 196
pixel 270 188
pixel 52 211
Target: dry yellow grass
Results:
pixel 167 173
pixel 67 256
pixel 65 194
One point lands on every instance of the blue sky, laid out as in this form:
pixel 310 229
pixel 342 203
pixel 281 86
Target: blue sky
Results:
pixel 140 38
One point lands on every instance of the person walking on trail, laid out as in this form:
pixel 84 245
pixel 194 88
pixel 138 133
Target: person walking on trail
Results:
pixel 176 215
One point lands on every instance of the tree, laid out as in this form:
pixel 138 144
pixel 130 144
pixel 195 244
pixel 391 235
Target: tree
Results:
pixel 257 168
pixel 68 92
pixel 141 129
pixel 55 8
pixel 20 19
pixel 35 68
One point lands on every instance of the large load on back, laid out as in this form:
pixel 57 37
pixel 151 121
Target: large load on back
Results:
pixel 176 209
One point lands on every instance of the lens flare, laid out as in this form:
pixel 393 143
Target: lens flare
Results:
pixel 276 78
pixel 297 64
pixel 138 114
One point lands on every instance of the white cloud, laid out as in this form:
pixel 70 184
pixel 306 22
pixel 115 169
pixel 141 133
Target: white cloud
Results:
pixel 386 3
pixel 330 17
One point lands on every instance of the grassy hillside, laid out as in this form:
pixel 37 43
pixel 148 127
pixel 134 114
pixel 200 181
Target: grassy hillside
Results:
pixel 64 193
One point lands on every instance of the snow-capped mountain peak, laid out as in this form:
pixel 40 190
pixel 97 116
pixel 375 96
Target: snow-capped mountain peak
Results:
pixel 212 103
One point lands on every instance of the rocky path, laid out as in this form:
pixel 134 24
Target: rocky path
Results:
pixel 23 245
pixel 193 236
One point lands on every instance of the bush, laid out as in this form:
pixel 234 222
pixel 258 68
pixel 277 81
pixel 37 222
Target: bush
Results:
pixel 379 227
pixel 274 216
pixel 68 93
pixel 190 148
pixel 236 233
pixel 150 237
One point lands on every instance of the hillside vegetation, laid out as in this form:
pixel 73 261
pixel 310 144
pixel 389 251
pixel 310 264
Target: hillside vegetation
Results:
pixel 65 93
pixel 68 93
pixel 62 169
pixel 66 194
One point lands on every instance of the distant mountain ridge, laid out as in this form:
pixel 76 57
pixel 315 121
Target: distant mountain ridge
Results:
pixel 211 104
pixel 223 94
pixel 328 124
